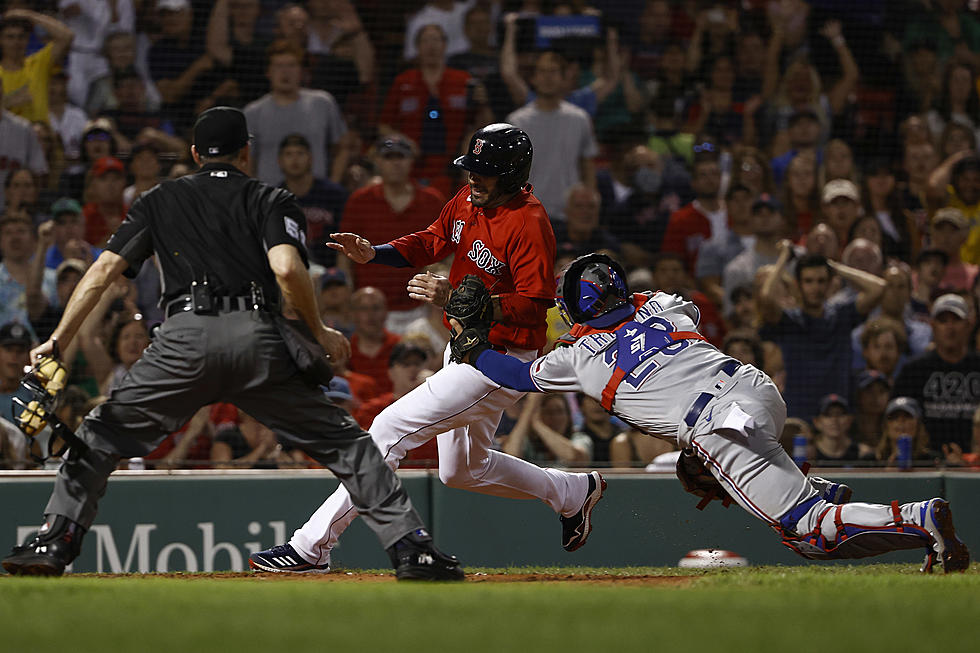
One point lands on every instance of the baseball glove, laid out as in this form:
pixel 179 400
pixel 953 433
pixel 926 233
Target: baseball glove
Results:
pixel 697 480
pixel 470 305
pixel 45 382
pixel 466 346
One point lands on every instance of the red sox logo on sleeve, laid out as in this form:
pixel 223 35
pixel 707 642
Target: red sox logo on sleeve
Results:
pixel 458 230
pixel 481 255
pixel 478 146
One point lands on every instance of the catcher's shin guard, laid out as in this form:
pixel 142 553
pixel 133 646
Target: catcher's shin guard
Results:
pixel 852 540
pixel 55 545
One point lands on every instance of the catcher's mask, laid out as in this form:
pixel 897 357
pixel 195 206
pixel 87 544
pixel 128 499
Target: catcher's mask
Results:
pixel 592 290
pixel 500 150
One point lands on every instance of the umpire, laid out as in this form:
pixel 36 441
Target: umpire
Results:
pixel 228 248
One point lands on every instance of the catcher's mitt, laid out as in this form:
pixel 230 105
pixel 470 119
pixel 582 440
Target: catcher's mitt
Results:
pixel 466 346
pixel 697 480
pixel 469 303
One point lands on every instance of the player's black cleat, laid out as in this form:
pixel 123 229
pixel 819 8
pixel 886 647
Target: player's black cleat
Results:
pixel 49 551
pixel 414 557
pixel 283 558
pixel 575 529
pixel 948 548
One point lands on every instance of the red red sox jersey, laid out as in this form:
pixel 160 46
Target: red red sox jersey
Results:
pixel 510 247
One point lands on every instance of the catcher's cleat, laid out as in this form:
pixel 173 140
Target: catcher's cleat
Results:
pixel 831 492
pixel 575 529
pixel 414 557
pixel 283 558
pixel 49 551
pixel 948 549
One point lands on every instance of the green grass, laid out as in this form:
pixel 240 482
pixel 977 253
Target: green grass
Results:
pixel 859 608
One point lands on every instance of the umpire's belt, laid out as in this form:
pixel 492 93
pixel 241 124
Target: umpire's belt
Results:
pixel 728 369
pixel 222 304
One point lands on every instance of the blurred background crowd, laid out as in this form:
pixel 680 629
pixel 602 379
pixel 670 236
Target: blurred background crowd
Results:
pixel 804 171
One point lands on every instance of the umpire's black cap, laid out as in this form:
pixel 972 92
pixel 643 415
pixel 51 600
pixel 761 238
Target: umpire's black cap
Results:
pixel 220 131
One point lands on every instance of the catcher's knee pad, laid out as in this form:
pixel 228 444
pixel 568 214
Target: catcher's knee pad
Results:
pixel 855 540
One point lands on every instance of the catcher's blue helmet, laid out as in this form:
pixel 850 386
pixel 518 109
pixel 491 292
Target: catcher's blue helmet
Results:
pixel 592 290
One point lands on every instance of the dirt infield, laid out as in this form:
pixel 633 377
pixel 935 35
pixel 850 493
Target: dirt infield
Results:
pixel 341 576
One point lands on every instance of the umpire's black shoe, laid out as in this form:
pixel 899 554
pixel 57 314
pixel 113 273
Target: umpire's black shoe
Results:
pixel 49 551
pixel 575 529
pixel 414 557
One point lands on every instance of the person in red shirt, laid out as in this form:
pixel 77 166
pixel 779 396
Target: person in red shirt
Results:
pixel 371 344
pixel 703 219
pixel 433 106
pixel 497 230
pixel 380 212
pixel 106 210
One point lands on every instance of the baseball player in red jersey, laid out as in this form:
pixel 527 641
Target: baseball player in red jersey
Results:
pixel 500 232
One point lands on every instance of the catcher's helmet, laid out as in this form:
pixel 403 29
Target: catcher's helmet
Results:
pixel 593 287
pixel 500 150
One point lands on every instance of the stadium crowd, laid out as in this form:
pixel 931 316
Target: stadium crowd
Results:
pixel 805 171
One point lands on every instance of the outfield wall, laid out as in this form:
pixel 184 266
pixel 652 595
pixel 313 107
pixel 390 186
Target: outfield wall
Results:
pixel 206 521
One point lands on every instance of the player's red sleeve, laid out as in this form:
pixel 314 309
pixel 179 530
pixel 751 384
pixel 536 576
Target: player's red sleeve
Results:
pixel 518 310
pixel 532 256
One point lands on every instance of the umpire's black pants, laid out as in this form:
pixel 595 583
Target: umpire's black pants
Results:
pixel 236 357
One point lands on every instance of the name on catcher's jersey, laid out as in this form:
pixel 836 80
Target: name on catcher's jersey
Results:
pixel 654 394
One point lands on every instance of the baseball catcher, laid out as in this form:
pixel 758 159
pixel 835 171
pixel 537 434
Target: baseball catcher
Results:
pixel 642 357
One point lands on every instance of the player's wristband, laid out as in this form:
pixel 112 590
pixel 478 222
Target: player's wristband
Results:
pixel 387 255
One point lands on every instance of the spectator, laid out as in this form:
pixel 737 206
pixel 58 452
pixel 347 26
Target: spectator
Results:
pixel 67 120
pixel 91 23
pixel 946 24
pixel 371 344
pixel 718 114
pixel 750 67
pixel 543 432
pixel 822 240
pixel 896 304
pixel 339 392
pixel 803 133
pixel 449 15
pixel 234 44
pixel 872 390
pixel 669 276
pixel 903 418
pixel 750 168
pixel 67 275
pixel 334 301
pixel 767 225
pixel 930 268
pixel 127 341
pixel 744 345
pixel 883 343
pixel 566 130
pixel 580 233
pixel 654 37
pixel 716 254
pixel 815 338
pixel 962 173
pixel 706 218
pixel 832 442
pixel 949 231
pixel 841 206
pixel 249 445
pixel 21 194
pixel 69 235
pixel 120 53
pixel 322 200
pixel 958 99
pixel 918 162
pixel 838 162
pixel 431 104
pixel 144 167
pixel 25 77
pixel 957 138
pixel 800 89
pixel 406 371
pixel 105 209
pixel 743 313
pixel 482 60
pixel 603 439
pixel 54 154
pixel 430 328
pixel 19 146
pixel 381 212
pixel 883 201
pixel 939 379
pixel 801 196
pixel 134 122
pixel 180 66
pixel 99 140
pixel 288 108
pixel 15 343
pixel 26 286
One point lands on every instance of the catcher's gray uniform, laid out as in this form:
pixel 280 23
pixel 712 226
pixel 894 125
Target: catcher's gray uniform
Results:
pixel 680 388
